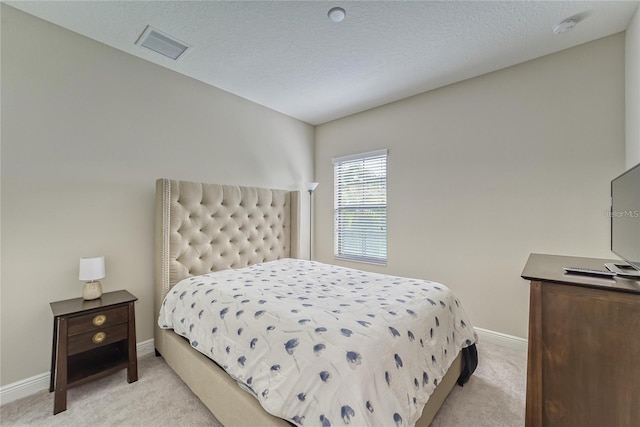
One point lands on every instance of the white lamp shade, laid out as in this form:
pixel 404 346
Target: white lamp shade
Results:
pixel 92 268
pixel 312 186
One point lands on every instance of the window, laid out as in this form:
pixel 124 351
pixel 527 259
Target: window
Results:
pixel 360 207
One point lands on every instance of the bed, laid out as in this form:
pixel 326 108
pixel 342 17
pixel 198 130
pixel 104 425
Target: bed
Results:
pixel 207 228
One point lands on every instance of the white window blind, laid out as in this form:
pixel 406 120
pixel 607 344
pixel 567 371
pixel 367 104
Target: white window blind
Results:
pixel 360 207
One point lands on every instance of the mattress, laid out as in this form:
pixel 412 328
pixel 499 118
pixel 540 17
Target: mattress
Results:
pixel 324 345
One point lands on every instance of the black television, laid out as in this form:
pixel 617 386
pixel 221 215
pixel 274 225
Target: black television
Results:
pixel 625 222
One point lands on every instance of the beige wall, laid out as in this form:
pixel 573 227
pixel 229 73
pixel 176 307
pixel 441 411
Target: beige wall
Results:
pixel 86 130
pixel 632 90
pixel 483 172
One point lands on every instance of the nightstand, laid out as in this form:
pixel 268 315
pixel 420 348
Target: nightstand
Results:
pixel 92 339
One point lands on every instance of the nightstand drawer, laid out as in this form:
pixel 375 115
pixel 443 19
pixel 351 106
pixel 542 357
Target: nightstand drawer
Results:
pixel 97 320
pixel 98 338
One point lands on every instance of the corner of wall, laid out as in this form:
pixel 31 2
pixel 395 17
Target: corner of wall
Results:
pixel 632 91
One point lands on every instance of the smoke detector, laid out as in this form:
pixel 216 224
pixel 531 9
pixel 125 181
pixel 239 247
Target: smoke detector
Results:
pixel 564 26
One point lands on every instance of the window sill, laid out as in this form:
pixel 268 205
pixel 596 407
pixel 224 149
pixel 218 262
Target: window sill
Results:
pixel 361 260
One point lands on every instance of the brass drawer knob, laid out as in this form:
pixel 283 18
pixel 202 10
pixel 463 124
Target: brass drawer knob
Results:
pixel 99 320
pixel 99 337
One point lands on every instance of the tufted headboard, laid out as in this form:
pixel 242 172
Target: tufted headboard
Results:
pixel 209 227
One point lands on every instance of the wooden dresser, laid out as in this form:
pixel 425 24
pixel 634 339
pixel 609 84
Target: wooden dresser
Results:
pixel 584 346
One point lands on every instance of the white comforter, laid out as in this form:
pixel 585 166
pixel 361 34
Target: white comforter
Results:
pixel 324 345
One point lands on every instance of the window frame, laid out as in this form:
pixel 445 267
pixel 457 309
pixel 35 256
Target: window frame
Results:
pixel 367 204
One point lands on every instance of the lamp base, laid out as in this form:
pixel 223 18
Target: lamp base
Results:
pixel 92 290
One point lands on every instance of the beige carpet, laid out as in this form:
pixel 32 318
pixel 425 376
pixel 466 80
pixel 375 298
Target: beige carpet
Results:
pixel 494 396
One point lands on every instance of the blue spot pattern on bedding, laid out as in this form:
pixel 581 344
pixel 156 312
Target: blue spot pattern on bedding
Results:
pixel 294 332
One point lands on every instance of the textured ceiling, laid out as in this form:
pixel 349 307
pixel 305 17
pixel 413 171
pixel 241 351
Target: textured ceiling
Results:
pixel 288 55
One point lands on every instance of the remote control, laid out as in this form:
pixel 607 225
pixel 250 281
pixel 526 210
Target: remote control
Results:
pixel 589 271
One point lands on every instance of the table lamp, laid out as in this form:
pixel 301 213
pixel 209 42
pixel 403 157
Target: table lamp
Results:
pixel 92 269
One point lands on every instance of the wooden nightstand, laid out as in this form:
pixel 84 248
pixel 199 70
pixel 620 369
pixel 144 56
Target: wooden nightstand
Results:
pixel 92 339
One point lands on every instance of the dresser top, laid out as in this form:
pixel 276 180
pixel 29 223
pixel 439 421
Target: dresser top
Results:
pixel 78 305
pixel 549 268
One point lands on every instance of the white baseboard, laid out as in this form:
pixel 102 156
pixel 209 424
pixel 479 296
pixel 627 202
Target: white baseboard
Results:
pixel 145 347
pixel 23 388
pixel 499 338
pixel 31 385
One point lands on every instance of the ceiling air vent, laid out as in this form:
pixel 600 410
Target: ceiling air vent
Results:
pixel 162 43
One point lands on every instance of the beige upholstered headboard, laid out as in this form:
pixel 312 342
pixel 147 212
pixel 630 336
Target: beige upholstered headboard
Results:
pixel 209 227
